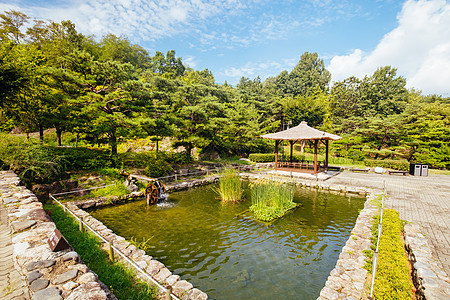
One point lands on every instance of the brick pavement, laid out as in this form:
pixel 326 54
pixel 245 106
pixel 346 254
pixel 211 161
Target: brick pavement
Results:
pixel 13 285
pixel 421 200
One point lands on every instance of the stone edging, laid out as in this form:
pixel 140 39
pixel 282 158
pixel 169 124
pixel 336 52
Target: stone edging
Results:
pixel 50 275
pixel 430 281
pixel 152 267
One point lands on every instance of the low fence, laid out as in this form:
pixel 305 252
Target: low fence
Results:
pixel 167 291
pixel 375 254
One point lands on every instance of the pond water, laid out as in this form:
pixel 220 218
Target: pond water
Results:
pixel 201 240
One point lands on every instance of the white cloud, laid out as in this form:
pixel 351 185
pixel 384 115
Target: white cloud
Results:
pixel 262 69
pixel 419 48
pixel 137 19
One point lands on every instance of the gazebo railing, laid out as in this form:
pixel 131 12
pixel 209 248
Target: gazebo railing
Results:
pixel 303 165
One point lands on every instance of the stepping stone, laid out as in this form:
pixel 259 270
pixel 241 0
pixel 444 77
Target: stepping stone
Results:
pixel 22 225
pixel 39 284
pixel 50 293
pixel 40 264
pixel 32 276
pixel 69 275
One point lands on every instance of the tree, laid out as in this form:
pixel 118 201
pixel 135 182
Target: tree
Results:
pixel 10 25
pixel 309 73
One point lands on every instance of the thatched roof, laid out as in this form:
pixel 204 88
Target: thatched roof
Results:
pixel 301 132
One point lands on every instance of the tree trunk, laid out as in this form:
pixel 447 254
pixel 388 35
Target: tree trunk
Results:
pixel 113 142
pixel 58 135
pixel 76 140
pixel 41 133
pixel 302 146
pixel 157 146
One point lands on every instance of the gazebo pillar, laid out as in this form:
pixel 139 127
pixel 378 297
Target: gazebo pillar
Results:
pixel 276 154
pixel 315 156
pixel 326 154
pixel 292 144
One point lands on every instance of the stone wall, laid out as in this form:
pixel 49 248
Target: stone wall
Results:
pixel 50 275
pixel 430 281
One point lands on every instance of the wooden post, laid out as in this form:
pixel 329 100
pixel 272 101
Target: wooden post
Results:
pixel 168 292
pixel 292 145
pixel 315 156
pixel 276 154
pixel 326 155
pixel 111 252
pixel 80 224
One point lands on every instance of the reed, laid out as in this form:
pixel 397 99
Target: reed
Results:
pixel 230 186
pixel 271 199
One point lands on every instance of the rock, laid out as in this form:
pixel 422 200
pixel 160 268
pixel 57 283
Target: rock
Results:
pixel 153 267
pixel 32 276
pixel 90 290
pixel 72 255
pixel 133 187
pixel 50 293
pixel 37 215
pixel 85 278
pixel 328 293
pixel 69 275
pixel 181 287
pixel 39 284
pixel 196 294
pixel 19 226
pixel 68 286
pixel 41 191
pixel 40 264
pixel 80 267
pixel 10 200
pixel 172 279
pixel 162 275
pixel 142 264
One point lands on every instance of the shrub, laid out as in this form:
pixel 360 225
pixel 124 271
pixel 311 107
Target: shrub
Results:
pixel 402 165
pixel 392 280
pixel 85 158
pixel 157 166
pixel 230 187
pixel 271 199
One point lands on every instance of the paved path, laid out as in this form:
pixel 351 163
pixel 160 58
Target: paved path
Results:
pixel 421 200
pixel 12 284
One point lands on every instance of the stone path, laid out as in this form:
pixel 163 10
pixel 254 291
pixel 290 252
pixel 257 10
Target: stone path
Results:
pixel 12 284
pixel 421 200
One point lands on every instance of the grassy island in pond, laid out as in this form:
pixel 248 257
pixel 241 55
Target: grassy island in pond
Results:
pixel 230 186
pixel 271 199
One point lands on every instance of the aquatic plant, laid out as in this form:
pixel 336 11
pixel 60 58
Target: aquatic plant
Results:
pixel 230 186
pixel 271 199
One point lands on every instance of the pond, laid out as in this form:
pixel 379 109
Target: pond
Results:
pixel 200 239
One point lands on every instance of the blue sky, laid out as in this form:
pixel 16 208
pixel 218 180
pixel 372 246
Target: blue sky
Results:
pixel 235 38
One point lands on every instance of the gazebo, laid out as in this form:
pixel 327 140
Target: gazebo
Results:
pixel 302 132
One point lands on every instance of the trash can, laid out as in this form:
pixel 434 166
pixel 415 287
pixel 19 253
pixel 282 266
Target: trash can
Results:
pixel 424 171
pixel 418 169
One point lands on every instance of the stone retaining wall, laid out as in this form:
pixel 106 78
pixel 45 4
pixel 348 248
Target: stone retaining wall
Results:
pixel 50 275
pixel 430 281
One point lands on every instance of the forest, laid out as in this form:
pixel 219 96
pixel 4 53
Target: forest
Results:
pixel 106 91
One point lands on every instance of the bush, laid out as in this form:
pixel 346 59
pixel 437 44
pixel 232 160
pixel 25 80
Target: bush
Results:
pixel 157 166
pixel 85 158
pixel 30 160
pixel 402 165
pixel 270 157
pixel 392 280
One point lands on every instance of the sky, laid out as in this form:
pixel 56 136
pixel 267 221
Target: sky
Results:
pixel 250 38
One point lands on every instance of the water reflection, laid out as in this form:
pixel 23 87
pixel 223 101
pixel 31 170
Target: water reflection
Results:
pixel 199 238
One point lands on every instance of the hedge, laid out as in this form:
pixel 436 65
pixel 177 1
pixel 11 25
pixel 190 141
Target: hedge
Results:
pixel 270 157
pixel 402 165
pixel 392 280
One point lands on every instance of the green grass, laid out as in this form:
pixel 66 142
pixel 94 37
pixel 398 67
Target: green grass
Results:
pixel 271 199
pixel 121 280
pixel 438 172
pixel 392 279
pixel 230 186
